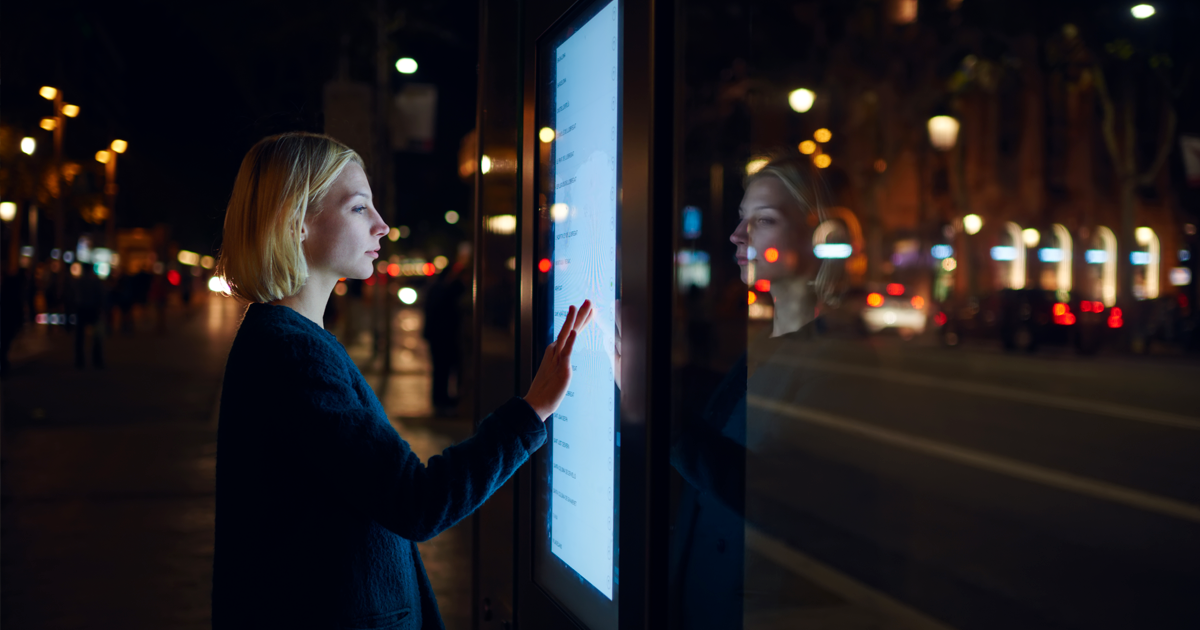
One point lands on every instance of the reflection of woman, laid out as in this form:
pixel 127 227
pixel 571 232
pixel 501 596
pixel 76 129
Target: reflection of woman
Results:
pixel 319 501
pixel 774 243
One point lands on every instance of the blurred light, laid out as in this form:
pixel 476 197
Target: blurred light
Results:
pixel 1114 318
pixel 771 254
pixel 808 147
pixel 158 266
pixel 917 302
pixel 755 165
pixel 207 262
pixel 972 223
pixel 28 145
pixel 505 223
pixel 874 299
pixel 8 211
pixel 895 288
pixel 1085 306
pixel 1189 229
pixel 751 253
pixel 381 266
pixel 119 146
pixel 54 253
pixel 70 111
pixel 485 164
pixel 393 270
pixel 949 264
pixel 48 124
pixel 173 277
pixel 692 220
pixel 1095 256
pixel 404 231
pixel 904 11
pixel 1060 309
pixel 1004 252
pixel 544 265
pixel 1050 255
pixel 546 135
pixel 832 250
pixel 763 286
pixel 440 262
pixel 48 92
pixel 558 212
pixel 394 234
pixel 76 269
pixel 408 295
pixel 801 100
pixel 941 252
pixel 940 319
pixel 1180 276
pixel 339 288
pixel 1069 319
pixel 68 257
pixel 197 272
pixel 188 258
pixel 511 263
pixel 27 250
pixel 103 157
pixel 822 135
pixel 428 269
pixel 217 284
pixel 451 217
pixel 1141 12
pixel 1139 258
pixel 750 297
pixel 1030 237
pixel 102 269
pixel 823 160
pixel 1143 236
pixel 1184 255
pixel 943 132
pixel 406 65
pixel 880 166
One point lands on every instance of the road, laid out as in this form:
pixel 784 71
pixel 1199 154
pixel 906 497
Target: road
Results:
pixel 973 489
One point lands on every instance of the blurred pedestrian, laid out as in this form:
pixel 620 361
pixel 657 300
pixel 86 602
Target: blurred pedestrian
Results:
pixel 158 296
pixel 12 313
pixel 319 500
pixel 88 302
pixel 443 320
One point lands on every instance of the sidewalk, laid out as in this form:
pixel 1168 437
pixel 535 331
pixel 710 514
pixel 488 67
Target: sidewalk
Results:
pixel 107 504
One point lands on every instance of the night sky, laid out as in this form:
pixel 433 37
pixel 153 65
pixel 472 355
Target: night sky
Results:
pixel 191 86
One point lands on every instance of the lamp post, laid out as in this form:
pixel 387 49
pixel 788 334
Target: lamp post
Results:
pixel 57 124
pixel 108 158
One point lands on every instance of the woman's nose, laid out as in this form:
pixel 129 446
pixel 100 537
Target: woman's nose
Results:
pixel 740 234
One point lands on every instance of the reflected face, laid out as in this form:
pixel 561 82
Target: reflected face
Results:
pixel 768 240
pixel 342 239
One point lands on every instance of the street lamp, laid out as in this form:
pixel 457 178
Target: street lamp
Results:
pixel 109 159
pixel 943 132
pixel 1142 11
pixel 28 145
pixel 406 65
pixel 801 100
pixel 8 211
pixel 972 223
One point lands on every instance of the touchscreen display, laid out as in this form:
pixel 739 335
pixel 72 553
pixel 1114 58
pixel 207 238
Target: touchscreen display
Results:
pixel 583 212
pixel 578 125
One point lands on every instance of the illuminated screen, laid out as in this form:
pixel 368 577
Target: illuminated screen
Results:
pixel 578 215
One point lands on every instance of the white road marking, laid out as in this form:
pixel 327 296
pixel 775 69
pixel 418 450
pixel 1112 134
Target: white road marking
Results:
pixel 853 591
pixel 1110 409
pixel 1004 466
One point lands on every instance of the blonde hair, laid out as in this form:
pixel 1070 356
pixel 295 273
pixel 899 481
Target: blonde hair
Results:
pixel 282 179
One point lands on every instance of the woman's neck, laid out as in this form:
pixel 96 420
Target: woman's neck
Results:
pixel 311 300
pixel 795 305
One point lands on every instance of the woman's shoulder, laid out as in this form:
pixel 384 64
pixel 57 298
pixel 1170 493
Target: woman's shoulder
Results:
pixel 280 333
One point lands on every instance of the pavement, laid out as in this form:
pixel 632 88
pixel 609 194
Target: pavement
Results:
pixel 107 476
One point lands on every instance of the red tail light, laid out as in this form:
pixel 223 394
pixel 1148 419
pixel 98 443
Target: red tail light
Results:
pixel 874 299
pixel 895 288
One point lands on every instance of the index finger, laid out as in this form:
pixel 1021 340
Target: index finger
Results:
pixel 568 324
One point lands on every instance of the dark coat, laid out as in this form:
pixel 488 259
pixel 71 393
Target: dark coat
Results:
pixel 320 503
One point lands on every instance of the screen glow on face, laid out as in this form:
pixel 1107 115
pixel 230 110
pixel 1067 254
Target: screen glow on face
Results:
pixel 584 240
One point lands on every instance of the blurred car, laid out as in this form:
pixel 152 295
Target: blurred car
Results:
pixel 868 311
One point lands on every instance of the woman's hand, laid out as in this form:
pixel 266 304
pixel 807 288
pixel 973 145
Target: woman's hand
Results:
pixel 549 385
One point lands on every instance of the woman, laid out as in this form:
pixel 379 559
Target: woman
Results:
pixel 719 451
pixel 320 503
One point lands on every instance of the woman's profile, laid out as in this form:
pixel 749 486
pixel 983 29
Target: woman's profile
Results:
pixel 320 503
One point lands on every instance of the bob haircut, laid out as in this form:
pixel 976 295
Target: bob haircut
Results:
pixel 282 179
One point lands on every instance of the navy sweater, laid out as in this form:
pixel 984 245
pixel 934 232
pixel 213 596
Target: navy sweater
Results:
pixel 320 503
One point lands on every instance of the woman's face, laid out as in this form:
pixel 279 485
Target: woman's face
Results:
pixel 342 239
pixel 770 245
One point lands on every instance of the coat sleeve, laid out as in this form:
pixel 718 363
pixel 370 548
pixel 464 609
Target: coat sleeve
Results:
pixel 367 465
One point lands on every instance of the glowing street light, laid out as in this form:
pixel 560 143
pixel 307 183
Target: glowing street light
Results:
pixel 8 211
pixel 49 124
pixel 28 145
pixel 70 111
pixel 119 146
pixel 1031 237
pixel 103 157
pixel 1142 11
pixel 972 223
pixel 822 135
pixel 546 135
pixel 406 65
pixel 451 217
pixel 823 160
pixel 808 147
pixel 801 100
pixel 485 164
pixel 48 92
pixel 943 132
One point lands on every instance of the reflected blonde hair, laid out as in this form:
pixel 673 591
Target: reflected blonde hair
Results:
pixel 282 179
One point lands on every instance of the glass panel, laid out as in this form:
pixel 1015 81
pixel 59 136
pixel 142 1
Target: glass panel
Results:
pixel 928 349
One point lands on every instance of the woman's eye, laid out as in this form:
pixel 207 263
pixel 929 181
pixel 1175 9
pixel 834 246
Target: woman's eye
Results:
pixel 360 208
